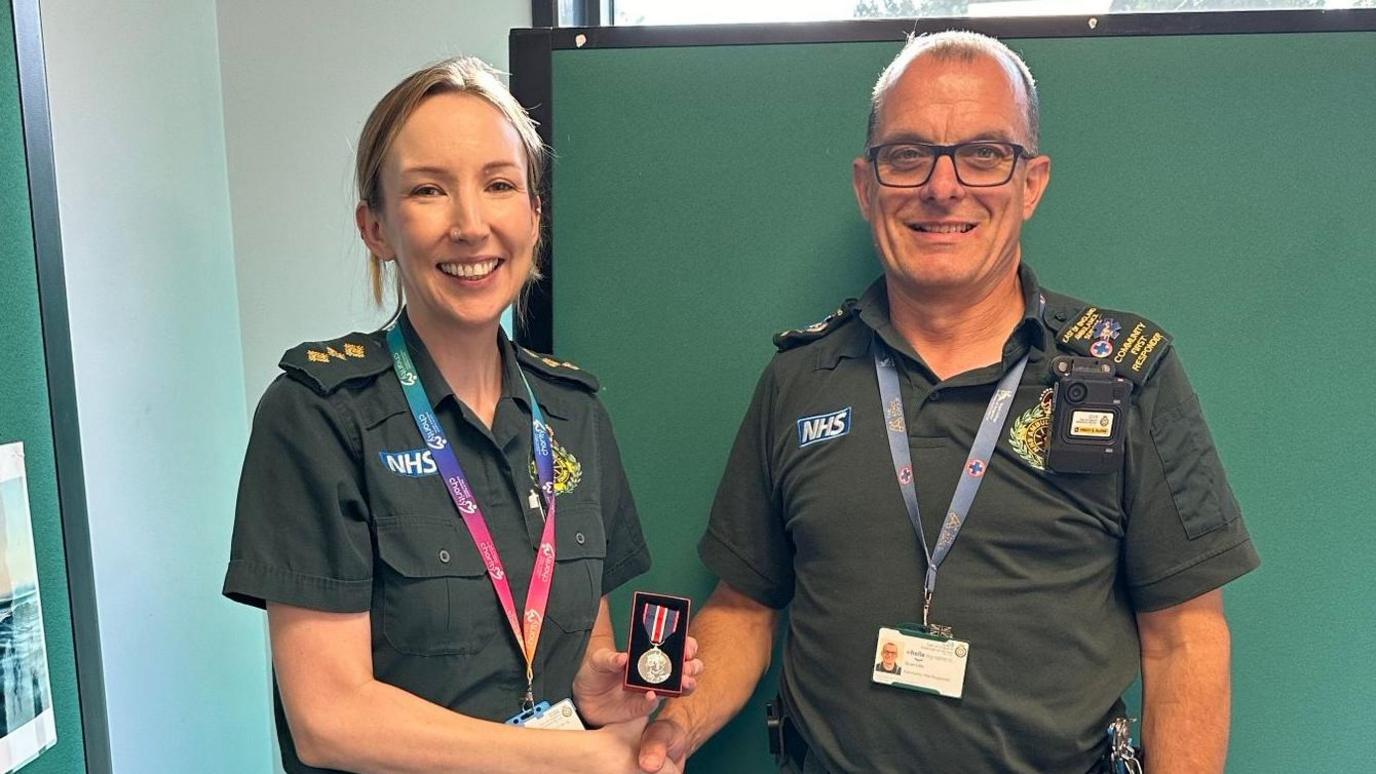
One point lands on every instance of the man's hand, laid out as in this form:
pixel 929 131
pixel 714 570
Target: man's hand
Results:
pixel 598 691
pixel 664 747
pixel 738 635
pixel 615 749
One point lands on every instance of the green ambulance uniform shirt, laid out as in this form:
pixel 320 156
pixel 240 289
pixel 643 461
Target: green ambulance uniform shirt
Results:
pixel 341 509
pixel 1047 572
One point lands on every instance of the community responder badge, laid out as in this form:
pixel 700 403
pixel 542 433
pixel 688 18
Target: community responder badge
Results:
pixel 1031 431
pixel 568 471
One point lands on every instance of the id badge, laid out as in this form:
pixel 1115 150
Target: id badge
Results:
pixel 916 661
pixel 559 717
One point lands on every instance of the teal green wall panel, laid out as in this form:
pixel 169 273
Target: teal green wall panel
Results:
pixel 25 415
pixel 1219 184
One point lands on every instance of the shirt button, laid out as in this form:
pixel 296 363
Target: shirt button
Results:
pixel 936 395
pixel 579 539
pixel 444 556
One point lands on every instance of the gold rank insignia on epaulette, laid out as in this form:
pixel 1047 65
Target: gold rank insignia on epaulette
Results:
pixel 325 365
pixel 1133 344
pixel 789 339
pixel 559 369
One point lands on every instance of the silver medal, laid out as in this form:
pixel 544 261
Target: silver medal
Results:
pixel 655 667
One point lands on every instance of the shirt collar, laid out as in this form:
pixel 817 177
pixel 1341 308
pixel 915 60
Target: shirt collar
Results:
pixel 1030 334
pixel 437 387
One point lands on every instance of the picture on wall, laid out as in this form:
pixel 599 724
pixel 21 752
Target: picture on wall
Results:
pixel 27 727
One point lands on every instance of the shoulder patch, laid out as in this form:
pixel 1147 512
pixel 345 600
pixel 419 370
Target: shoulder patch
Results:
pixel 561 370
pixel 786 340
pixel 325 365
pixel 1133 344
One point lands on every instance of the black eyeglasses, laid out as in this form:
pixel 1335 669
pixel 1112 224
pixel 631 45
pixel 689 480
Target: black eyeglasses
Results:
pixel 978 164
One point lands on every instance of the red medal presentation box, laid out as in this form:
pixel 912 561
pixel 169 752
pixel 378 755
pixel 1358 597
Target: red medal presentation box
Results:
pixel 659 632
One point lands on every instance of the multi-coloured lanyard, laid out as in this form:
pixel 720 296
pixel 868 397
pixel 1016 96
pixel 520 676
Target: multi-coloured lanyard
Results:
pixel 537 596
pixel 976 463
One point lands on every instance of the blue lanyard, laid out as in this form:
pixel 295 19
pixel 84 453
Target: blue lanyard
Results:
pixel 976 463
pixel 526 628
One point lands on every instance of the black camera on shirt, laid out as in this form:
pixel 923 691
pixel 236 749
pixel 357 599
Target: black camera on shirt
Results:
pixel 1089 417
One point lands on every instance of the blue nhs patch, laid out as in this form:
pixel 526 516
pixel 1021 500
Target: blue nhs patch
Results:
pixel 414 463
pixel 823 427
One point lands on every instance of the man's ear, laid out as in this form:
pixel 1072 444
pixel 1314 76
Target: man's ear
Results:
pixel 861 178
pixel 1034 184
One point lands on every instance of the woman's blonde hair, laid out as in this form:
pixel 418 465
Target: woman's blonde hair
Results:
pixel 465 75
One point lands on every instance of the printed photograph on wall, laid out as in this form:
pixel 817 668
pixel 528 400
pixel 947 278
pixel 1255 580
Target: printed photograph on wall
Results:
pixel 26 712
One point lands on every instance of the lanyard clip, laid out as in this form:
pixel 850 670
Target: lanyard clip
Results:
pixel 528 700
pixel 926 607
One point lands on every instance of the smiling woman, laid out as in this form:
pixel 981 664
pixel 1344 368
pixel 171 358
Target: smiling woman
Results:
pixel 430 144
pixel 431 515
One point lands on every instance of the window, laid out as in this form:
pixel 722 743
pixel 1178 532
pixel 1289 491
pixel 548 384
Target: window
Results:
pixel 647 12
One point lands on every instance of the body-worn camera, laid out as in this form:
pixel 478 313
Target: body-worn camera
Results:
pixel 1089 418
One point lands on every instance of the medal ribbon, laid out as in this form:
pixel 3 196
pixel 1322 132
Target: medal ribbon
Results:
pixel 976 463
pixel 542 575
pixel 659 623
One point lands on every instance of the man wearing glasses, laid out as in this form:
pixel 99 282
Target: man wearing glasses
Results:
pixel 913 436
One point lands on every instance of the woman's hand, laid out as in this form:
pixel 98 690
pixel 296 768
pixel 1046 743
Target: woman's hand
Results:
pixel 598 691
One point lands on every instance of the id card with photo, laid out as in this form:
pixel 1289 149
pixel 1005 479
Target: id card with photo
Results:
pixel 559 717
pixel 905 658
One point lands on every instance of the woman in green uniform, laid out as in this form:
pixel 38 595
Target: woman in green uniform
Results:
pixel 431 515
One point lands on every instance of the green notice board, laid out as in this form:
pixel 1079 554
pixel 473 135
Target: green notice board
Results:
pixel 1219 184
pixel 25 416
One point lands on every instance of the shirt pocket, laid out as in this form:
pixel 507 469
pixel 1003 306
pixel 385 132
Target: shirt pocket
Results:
pixel 576 593
pixel 1193 470
pixel 436 597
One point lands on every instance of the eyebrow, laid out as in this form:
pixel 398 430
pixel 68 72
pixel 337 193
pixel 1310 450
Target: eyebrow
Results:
pixel 908 137
pixel 424 169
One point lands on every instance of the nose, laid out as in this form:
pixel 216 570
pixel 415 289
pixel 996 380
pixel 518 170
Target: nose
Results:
pixel 468 221
pixel 943 183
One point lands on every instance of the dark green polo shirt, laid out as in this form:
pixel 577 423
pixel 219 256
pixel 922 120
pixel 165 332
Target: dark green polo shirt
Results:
pixel 1043 581
pixel 340 509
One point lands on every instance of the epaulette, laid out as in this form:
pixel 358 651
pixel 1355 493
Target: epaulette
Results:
pixel 325 365
pixel 557 369
pixel 786 340
pixel 1133 344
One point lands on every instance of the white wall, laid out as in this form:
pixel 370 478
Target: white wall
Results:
pixel 165 112
pixel 299 79
pixel 143 194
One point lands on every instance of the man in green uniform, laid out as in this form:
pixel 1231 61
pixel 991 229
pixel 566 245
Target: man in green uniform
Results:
pixel 1056 584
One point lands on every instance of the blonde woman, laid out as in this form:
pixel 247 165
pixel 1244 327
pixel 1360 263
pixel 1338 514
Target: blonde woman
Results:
pixel 431 515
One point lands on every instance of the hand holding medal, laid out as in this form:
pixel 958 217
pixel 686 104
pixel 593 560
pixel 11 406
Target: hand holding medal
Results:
pixel 603 688
pixel 658 644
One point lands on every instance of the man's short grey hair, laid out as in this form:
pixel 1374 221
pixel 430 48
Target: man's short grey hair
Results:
pixel 960 46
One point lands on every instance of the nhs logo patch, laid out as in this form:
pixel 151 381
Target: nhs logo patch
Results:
pixel 823 427
pixel 414 463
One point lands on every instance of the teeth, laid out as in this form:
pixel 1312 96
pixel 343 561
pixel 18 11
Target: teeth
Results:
pixel 952 228
pixel 470 270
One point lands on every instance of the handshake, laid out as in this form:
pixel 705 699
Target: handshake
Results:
pixel 628 737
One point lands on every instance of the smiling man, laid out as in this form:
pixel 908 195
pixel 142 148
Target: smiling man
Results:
pixel 1044 458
